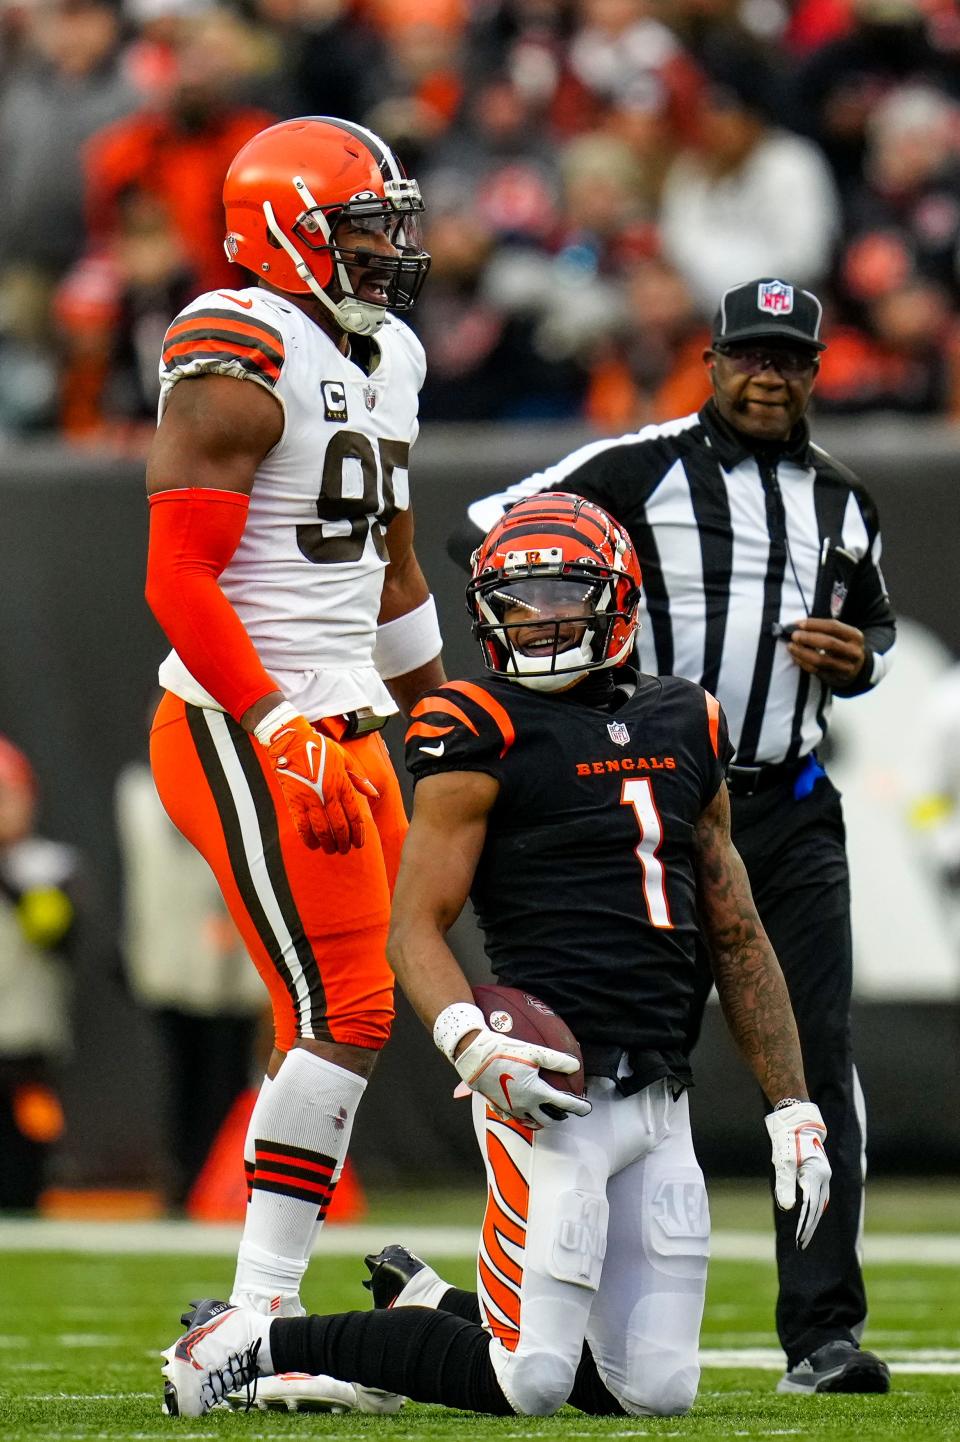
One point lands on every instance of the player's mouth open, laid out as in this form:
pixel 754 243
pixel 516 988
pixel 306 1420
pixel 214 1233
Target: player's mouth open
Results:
pixel 373 289
pixel 546 644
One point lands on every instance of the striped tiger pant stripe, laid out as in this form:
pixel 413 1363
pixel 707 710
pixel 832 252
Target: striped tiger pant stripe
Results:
pixel 315 925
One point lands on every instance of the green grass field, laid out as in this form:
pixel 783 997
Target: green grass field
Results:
pixel 80 1335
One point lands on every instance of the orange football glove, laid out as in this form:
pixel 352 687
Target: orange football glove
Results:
pixel 318 779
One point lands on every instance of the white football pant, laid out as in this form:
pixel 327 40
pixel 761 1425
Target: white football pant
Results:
pixel 596 1228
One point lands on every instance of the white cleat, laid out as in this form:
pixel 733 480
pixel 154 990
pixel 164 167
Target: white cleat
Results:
pixel 214 1364
pixel 213 1359
pixel 299 1392
pixel 303 1392
pixel 380 1404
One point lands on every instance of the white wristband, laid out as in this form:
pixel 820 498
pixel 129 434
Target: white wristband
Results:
pixel 453 1023
pixel 266 729
pixel 408 641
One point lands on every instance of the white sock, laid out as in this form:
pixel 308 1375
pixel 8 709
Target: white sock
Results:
pixel 249 1154
pixel 264 1358
pixel 424 1289
pixel 299 1134
pixel 279 1303
pixel 321 1218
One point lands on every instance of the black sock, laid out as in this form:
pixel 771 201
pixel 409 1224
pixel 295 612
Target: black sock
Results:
pixel 427 1355
pixel 589 1392
pixel 461 1304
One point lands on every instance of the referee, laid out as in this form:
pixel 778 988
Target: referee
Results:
pixel 760 558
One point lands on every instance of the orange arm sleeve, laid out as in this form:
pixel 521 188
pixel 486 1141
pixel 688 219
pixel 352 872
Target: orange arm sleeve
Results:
pixel 193 534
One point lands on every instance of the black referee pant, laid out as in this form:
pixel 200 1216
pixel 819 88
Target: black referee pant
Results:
pixel 795 855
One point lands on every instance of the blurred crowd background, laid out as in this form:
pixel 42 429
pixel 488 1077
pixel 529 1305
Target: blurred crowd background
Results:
pixel 596 173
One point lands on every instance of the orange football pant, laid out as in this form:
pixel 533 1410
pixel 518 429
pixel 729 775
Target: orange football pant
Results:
pixel 315 925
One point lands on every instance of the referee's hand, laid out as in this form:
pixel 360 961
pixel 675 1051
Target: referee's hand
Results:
pixel 830 650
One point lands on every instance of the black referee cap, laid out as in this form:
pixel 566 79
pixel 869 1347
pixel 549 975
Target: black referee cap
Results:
pixel 768 309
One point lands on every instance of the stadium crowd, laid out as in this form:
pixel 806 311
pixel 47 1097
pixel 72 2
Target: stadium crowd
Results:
pixel 596 173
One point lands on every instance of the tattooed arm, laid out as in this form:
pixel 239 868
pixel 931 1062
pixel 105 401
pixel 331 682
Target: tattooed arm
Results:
pixel 749 981
pixel 757 1007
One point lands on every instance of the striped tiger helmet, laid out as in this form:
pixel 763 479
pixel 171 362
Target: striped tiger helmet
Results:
pixel 290 187
pixel 554 592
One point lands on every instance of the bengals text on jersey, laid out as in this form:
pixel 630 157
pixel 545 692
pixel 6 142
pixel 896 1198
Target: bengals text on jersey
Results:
pixel 595 813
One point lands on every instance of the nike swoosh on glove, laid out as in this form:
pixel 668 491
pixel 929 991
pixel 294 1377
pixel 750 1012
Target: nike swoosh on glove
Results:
pixel 507 1073
pixel 319 782
pixel 797 1133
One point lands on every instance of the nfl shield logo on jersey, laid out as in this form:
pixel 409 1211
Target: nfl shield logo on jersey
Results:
pixel 618 732
pixel 775 296
pixel 369 397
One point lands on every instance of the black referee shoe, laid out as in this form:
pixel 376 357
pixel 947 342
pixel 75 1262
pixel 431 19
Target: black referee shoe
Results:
pixel 838 1366
pixel 390 1271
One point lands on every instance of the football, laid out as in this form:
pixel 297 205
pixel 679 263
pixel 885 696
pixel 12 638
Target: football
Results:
pixel 524 1017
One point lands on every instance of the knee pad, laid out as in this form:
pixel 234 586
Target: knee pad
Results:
pixel 536 1384
pixel 669 1395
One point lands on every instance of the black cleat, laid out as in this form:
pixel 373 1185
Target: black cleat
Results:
pixel 390 1271
pixel 838 1366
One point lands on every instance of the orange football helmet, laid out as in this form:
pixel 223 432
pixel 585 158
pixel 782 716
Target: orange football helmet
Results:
pixel 568 576
pixel 288 190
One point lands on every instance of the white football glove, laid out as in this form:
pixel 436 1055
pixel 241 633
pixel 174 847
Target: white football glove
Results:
pixel 797 1132
pixel 507 1072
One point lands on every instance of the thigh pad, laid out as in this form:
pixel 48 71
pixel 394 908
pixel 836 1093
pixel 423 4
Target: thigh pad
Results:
pixel 677 1220
pixel 578 1243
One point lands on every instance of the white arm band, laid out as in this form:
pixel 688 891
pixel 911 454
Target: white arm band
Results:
pixel 409 641
pixel 266 729
pixel 453 1023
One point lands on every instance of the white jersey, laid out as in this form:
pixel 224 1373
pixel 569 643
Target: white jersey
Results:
pixel 307 576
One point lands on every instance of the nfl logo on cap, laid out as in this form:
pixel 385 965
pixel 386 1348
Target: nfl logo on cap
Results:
pixel 775 297
pixel 768 307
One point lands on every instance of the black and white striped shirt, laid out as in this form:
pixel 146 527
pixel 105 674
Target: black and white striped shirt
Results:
pixel 733 541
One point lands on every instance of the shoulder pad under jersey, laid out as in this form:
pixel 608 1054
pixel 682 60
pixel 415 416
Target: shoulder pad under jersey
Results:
pixel 408 344
pixel 225 332
pixel 460 726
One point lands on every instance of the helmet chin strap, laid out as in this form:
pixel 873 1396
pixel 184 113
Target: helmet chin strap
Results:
pixel 528 670
pixel 359 317
pixel 555 681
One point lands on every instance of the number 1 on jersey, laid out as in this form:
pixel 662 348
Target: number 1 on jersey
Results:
pixel 638 793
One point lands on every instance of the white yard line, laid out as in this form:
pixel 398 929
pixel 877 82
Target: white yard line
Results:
pixel 939 1361
pixel 166 1237
pixel 930 1362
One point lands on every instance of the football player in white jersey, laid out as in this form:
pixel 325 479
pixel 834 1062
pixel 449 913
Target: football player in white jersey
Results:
pixel 281 567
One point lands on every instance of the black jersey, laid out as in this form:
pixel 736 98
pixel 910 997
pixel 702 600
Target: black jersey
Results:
pixel 585 889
